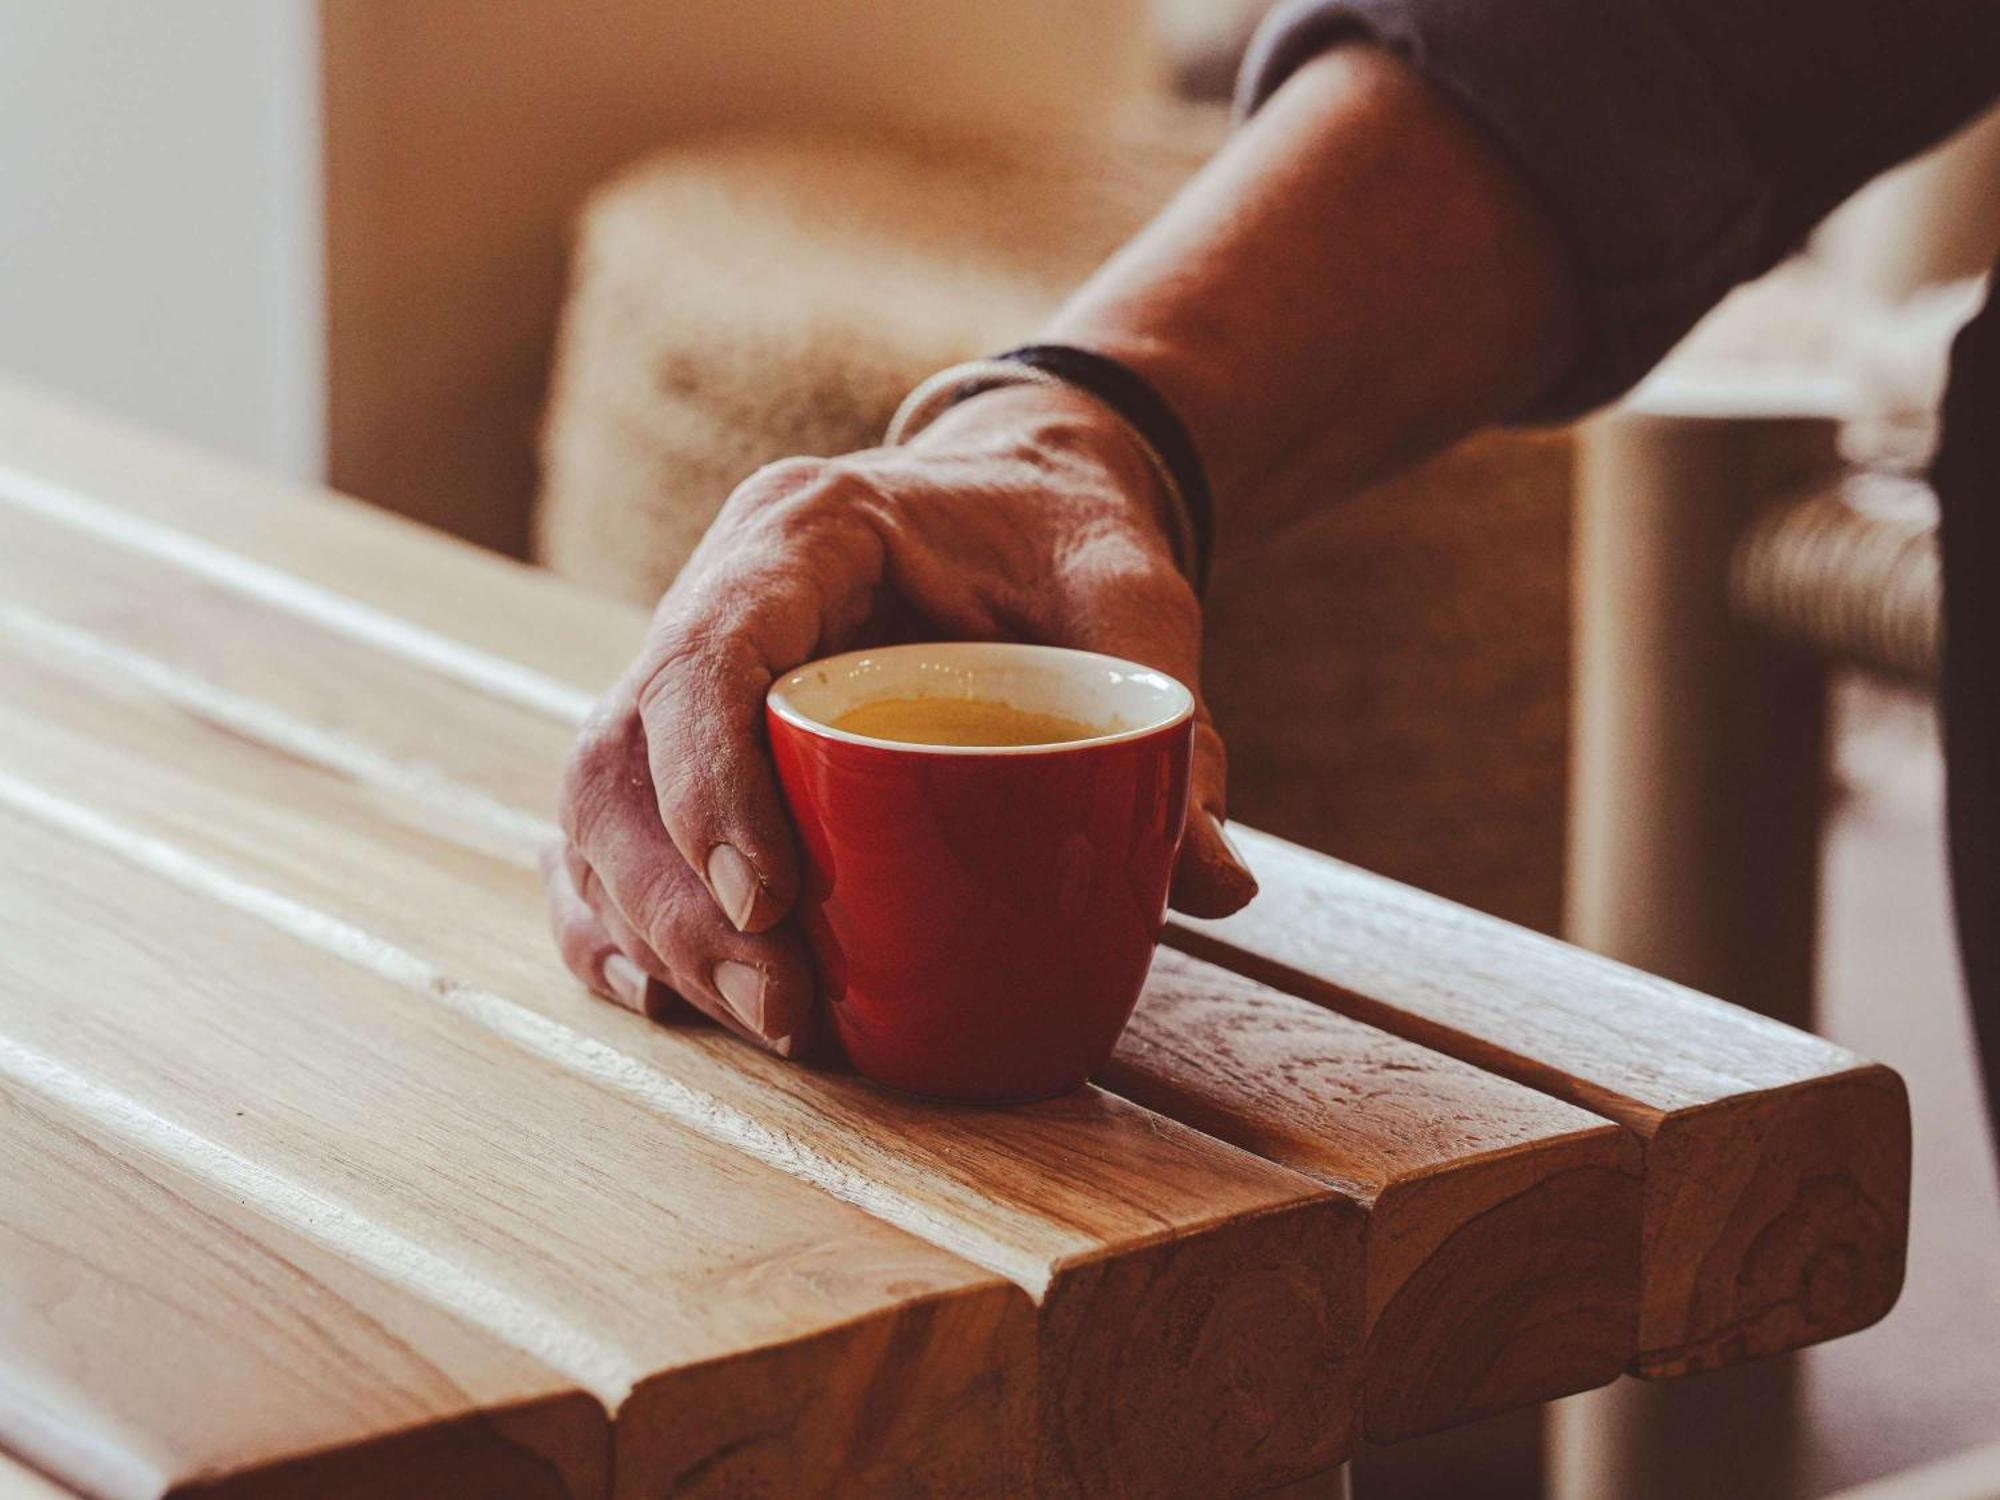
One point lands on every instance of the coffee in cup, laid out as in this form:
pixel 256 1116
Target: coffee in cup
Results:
pixel 960 721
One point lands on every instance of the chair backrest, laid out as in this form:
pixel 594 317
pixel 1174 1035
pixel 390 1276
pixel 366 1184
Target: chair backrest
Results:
pixel 457 155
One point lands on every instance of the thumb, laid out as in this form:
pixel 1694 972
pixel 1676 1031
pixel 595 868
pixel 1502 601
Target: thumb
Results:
pixel 1151 616
pixel 1211 878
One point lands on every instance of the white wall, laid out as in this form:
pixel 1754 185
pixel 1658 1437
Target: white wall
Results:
pixel 159 215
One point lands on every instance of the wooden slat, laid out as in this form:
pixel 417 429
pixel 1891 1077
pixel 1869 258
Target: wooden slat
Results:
pixel 750 1334
pixel 18 1482
pixel 1199 1309
pixel 1503 1226
pixel 64 592
pixel 307 541
pixel 156 1334
pixel 1777 1164
pixel 1520 1215
pixel 1715 1150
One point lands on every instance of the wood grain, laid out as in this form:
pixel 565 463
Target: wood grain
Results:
pixel 1525 1193
pixel 18 1482
pixel 1503 1226
pixel 293 1371
pixel 1165 1264
pixel 1777 1164
pixel 484 628
pixel 310 544
pixel 278 726
pixel 113 612
pixel 662 1272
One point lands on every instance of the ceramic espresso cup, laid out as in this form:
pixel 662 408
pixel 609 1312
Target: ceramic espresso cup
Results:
pixel 983 916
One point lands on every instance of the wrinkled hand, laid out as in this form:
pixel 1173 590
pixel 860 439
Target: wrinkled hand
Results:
pixel 1022 514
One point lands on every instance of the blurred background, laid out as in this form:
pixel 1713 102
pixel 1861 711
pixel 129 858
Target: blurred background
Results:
pixel 553 275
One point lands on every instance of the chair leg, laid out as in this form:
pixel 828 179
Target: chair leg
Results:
pixel 1693 844
pixel 1696 772
pixel 1731 1435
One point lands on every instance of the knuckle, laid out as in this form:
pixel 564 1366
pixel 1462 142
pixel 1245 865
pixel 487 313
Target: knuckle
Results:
pixel 777 483
pixel 695 688
pixel 1159 583
pixel 671 699
pixel 584 948
pixel 599 752
pixel 803 495
pixel 785 474
pixel 581 807
pixel 658 909
pixel 1132 568
pixel 1208 742
pixel 584 879
pixel 596 775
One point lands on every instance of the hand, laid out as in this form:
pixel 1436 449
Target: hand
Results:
pixel 1021 514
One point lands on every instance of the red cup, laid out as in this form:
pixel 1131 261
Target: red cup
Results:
pixel 983 917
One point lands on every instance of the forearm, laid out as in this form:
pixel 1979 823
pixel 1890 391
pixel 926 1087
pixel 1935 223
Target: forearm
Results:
pixel 1356 280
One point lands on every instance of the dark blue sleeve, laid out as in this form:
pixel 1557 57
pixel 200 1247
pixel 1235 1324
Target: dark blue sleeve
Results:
pixel 1680 146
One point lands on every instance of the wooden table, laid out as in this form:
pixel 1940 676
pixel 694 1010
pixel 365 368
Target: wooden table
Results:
pixel 321 1176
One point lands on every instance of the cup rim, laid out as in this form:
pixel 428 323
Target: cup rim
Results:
pixel 778 698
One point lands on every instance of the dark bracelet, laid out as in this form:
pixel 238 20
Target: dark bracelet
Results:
pixel 1146 411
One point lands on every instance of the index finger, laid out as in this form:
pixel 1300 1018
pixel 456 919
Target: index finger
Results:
pixel 787 574
pixel 1150 615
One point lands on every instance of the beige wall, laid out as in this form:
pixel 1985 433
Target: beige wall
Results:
pixel 461 137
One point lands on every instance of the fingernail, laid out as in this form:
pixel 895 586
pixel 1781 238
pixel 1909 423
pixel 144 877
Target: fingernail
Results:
pixel 1222 836
pixel 742 987
pixel 1228 843
pixel 626 981
pixel 734 881
pixel 786 1046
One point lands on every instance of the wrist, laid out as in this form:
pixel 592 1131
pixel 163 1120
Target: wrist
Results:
pixel 1052 424
pixel 1358 278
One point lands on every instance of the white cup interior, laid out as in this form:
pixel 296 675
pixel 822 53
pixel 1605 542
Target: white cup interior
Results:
pixel 1124 698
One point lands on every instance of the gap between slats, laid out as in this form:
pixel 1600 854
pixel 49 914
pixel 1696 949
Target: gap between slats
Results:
pixel 533 1330
pixel 463 814
pixel 444 806
pixel 527 1029
pixel 19 1482
pixel 439 653
pixel 494 675
pixel 129 833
